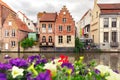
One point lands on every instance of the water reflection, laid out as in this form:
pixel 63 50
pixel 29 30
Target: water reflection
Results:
pixel 109 59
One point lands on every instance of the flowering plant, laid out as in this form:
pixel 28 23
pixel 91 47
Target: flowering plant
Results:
pixel 39 68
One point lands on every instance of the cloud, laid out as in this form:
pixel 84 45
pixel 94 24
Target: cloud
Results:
pixel 77 8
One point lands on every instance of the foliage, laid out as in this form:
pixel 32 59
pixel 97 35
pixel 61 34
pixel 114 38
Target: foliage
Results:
pixel 38 68
pixel 27 43
pixel 78 45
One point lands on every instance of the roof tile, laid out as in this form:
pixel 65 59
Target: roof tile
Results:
pixel 48 17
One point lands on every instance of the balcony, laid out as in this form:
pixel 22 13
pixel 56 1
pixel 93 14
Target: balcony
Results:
pixel 50 44
pixel 114 44
pixel 43 44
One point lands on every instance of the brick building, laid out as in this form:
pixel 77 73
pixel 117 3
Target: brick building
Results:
pixel 4 11
pixel 46 27
pixel 64 30
pixel 12 29
pixel 57 30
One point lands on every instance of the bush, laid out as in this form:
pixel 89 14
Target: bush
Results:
pixel 27 43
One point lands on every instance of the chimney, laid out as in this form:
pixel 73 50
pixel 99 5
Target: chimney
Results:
pixel 44 12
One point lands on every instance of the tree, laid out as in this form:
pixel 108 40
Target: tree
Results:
pixel 27 43
pixel 78 45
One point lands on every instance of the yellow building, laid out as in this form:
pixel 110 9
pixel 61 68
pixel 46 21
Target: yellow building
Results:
pixel 105 25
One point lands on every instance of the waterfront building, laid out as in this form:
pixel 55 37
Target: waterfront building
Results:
pixel 105 25
pixel 46 27
pixel 12 29
pixel 83 26
pixel 64 30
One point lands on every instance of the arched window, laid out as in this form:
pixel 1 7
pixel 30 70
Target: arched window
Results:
pixel 43 39
pixel 50 39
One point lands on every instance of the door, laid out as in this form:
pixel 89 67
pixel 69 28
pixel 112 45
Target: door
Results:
pixel 6 46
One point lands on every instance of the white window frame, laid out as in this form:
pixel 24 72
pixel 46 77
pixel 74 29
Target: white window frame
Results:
pixel 12 43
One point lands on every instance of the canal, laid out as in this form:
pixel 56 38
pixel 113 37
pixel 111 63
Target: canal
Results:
pixel 109 59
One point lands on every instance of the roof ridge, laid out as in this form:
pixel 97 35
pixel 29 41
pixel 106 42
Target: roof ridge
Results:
pixel 6 5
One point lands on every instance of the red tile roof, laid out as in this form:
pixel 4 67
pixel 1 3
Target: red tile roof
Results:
pixel 4 4
pixel 22 26
pixel 23 14
pixel 48 17
pixel 110 8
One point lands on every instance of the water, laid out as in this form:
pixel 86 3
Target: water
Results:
pixel 109 59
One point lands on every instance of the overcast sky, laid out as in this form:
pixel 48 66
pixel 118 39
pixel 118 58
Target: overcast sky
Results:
pixel 77 8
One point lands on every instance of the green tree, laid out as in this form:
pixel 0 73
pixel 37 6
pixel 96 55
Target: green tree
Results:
pixel 78 45
pixel 27 43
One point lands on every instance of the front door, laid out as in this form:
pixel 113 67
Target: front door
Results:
pixel 6 46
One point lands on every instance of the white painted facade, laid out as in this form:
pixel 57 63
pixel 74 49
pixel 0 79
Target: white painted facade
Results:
pixel 109 29
pixel 27 21
pixel 85 20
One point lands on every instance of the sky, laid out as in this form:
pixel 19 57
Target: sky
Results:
pixel 30 8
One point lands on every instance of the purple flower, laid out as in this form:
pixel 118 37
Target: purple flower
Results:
pixel 97 71
pixel 29 76
pixel 3 76
pixel 4 66
pixel 7 57
pixel 33 58
pixel 68 65
pixel 18 62
pixel 44 76
pixel 116 71
pixel 36 59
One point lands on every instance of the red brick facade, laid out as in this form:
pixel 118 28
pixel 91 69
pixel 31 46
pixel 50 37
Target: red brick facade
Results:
pixel 12 33
pixel 47 35
pixel 64 19
pixel 68 28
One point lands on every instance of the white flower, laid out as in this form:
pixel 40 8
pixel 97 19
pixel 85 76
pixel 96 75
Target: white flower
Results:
pixel 52 67
pixel 55 61
pixel 105 69
pixel 17 71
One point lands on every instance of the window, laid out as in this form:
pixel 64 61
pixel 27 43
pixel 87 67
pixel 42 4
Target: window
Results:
pixel 60 39
pixel 68 39
pixel 6 33
pixel 68 28
pixel 10 23
pixel 106 22
pixel 114 36
pixel 60 28
pixel 50 39
pixel 28 23
pixel 50 28
pixel 43 28
pixel 106 37
pixel 43 39
pixel 13 43
pixel 64 20
pixel 114 22
pixel 13 33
